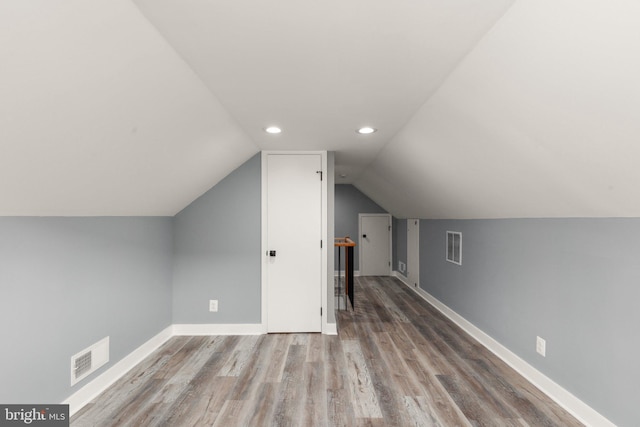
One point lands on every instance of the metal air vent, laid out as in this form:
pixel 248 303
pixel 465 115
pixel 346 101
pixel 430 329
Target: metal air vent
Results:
pixel 89 359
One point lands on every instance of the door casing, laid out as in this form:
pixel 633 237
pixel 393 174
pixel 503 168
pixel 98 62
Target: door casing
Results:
pixel 413 252
pixel 324 232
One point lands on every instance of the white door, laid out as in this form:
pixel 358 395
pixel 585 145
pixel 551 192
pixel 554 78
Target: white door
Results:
pixel 294 233
pixel 413 252
pixel 375 244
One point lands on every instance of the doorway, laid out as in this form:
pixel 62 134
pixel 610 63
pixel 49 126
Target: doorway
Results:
pixel 375 244
pixel 293 247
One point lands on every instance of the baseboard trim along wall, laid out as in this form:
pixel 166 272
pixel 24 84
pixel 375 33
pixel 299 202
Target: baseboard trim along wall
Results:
pixel 92 389
pixel 583 412
pixel 219 329
pixel 331 329
pixel 234 329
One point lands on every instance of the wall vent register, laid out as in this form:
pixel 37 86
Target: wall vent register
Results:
pixel 89 360
pixel 83 364
pixel 454 247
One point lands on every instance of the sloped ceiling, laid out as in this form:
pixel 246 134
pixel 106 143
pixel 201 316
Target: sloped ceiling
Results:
pixel 100 116
pixel 484 108
pixel 322 69
pixel 541 119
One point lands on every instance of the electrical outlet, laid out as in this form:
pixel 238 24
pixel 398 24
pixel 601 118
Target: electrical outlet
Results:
pixel 213 305
pixel 541 346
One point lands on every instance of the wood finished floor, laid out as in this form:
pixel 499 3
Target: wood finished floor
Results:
pixel 396 362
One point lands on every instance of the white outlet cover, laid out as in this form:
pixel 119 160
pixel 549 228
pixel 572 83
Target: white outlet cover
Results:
pixel 541 346
pixel 213 305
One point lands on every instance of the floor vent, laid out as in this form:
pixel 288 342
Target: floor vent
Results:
pixel 89 359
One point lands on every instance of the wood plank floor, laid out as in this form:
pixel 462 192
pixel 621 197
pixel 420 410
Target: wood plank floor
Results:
pixel 396 362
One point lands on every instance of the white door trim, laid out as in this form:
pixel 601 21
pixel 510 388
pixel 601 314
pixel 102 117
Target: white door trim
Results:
pixel 413 278
pixel 360 215
pixel 324 253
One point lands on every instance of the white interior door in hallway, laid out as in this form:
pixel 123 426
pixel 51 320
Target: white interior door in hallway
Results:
pixel 294 234
pixel 413 252
pixel 375 244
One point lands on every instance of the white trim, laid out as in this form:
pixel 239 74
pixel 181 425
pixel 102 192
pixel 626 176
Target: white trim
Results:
pixel 413 252
pixel 218 329
pixel 576 407
pixel 404 279
pixel 263 238
pixel 388 215
pixel 92 389
pixel 332 329
pixel 324 279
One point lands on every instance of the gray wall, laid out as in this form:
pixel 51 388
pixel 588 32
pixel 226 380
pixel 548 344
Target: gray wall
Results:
pixel 574 282
pixel 400 244
pixel 349 203
pixel 217 252
pixel 65 284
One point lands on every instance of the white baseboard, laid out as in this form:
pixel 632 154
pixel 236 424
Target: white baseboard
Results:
pixel 92 389
pixel 233 329
pixel 219 329
pixel 583 412
pixel 331 329
pixel 400 276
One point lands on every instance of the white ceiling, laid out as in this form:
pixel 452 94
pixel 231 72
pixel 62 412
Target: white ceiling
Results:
pixel 484 108
pixel 99 116
pixel 321 69
pixel 541 119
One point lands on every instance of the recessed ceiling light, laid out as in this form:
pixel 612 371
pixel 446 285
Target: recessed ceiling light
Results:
pixel 273 129
pixel 366 130
pixel 343 175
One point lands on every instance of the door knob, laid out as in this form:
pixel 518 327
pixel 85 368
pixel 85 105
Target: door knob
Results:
pixel 364 236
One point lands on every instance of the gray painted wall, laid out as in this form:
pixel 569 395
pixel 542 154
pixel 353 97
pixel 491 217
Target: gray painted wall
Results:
pixel 574 282
pixel 66 283
pixel 349 203
pixel 400 244
pixel 217 252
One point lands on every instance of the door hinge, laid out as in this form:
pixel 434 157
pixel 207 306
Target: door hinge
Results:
pixel 320 244
pixel 389 263
pixel 320 172
pixel 320 311
pixel 389 228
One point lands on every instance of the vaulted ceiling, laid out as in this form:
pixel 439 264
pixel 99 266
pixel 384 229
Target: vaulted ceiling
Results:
pixel 483 108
